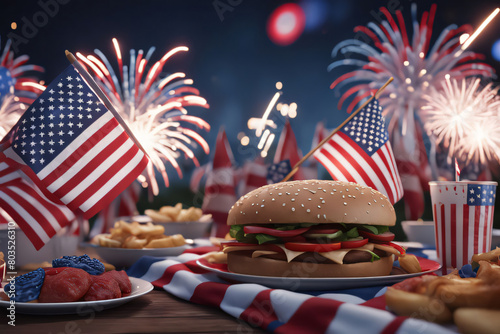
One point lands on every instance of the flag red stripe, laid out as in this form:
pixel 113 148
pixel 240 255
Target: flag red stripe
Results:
pixel 357 167
pixel 375 168
pixel 209 293
pixel 438 244
pixel 125 181
pixel 92 165
pixel 261 312
pixel 31 208
pixel 453 232
pixel 443 240
pixel 465 235
pixel 256 181
pixel 102 179
pixel 397 177
pixel 344 173
pixel 79 153
pixel 385 156
pixel 23 225
pixel 477 219
pixel 321 309
pixel 394 325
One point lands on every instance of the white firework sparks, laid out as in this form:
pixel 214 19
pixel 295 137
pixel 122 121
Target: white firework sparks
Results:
pixel 17 90
pixel 154 108
pixel 464 118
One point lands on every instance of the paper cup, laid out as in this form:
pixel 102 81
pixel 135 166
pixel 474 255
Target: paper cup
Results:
pixel 463 217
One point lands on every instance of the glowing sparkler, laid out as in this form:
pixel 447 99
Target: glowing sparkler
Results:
pixel 464 118
pixel 17 91
pixel 153 107
pixel 260 124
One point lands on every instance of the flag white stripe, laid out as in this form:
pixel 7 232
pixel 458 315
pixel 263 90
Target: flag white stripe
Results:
pixel 482 221
pixel 41 210
pixel 68 151
pixel 359 159
pixel 459 209
pixel 133 163
pixel 385 172
pixel 28 217
pixel 85 160
pixel 96 173
pixel 218 202
pixel 328 164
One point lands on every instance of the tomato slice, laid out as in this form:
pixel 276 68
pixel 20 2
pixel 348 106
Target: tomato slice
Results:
pixel 271 247
pixel 274 232
pixel 354 243
pixel 400 249
pixel 323 231
pixel 383 237
pixel 309 247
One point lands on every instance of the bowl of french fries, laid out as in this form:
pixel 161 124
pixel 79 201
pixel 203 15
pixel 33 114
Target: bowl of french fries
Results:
pixel 190 222
pixel 127 242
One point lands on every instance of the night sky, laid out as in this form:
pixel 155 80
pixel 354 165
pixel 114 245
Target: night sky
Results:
pixel 231 59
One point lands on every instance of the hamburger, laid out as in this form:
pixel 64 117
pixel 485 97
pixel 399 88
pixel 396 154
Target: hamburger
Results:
pixel 313 228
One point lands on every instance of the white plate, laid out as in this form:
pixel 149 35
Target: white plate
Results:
pixel 139 287
pixel 299 283
pixel 124 257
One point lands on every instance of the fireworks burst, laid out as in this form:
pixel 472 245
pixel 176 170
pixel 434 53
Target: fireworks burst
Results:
pixel 17 90
pixel 415 65
pixel 153 107
pixel 464 118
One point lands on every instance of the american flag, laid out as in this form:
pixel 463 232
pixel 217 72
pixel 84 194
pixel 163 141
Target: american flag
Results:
pixel 220 192
pixel 73 149
pixel 463 216
pixel 360 152
pixel 279 310
pixel 287 149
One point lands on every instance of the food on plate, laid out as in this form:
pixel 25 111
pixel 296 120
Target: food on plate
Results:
pixel 137 236
pixel 477 320
pixel 312 228
pixel 69 284
pixel 92 266
pixel 177 214
pixel 65 285
pixel 446 298
pixel 26 287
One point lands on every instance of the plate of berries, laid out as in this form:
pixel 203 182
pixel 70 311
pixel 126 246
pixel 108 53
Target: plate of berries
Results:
pixel 73 285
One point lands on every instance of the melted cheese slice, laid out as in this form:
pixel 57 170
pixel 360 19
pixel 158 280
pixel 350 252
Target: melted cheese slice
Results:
pixel 258 253
pixel 336 256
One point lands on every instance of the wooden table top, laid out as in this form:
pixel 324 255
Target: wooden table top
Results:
pixel 155 312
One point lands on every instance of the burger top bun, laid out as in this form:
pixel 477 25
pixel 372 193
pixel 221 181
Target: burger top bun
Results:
pixel 313 201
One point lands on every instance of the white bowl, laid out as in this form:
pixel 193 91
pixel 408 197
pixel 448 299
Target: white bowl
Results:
pixel 125 257
pixel 26 253
pixel 420 231
pixel 189 230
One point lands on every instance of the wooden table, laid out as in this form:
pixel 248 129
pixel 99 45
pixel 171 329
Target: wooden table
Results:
pixel 156 312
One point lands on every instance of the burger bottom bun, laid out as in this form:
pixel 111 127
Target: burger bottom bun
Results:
pixel 242 263
pixel 477 320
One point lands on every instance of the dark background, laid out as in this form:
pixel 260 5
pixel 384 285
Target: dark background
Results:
pixel 231 59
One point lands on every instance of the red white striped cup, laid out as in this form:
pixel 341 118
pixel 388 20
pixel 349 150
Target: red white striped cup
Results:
pixel 463 217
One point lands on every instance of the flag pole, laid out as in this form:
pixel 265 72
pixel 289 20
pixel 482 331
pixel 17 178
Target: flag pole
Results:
pixel 103 98
pixel 297 165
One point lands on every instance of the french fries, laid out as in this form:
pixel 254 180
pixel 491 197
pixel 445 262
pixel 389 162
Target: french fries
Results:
pixel 177 214
pixel 137 236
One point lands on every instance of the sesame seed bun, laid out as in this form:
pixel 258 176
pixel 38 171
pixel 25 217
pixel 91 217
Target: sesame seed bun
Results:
pixel 313 201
